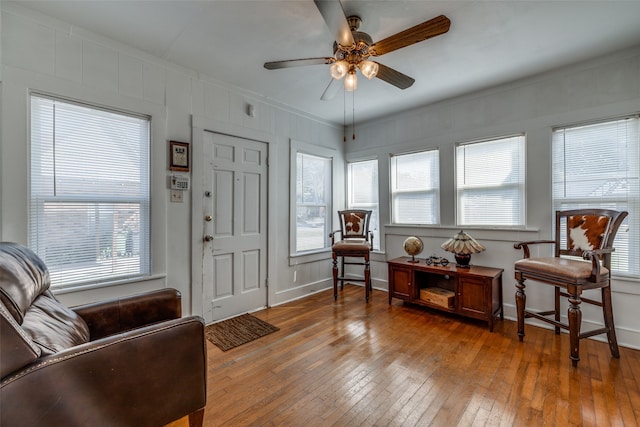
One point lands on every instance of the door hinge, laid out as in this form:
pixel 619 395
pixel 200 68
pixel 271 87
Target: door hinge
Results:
pixel 266 282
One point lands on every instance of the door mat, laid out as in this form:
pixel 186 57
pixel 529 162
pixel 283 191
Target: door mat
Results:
pixel 238 330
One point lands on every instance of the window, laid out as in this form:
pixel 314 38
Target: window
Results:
pixel 89 192
pixel 597 166
pixel 490 182
pixel 415 186
pixel 313 197
pixel 363 193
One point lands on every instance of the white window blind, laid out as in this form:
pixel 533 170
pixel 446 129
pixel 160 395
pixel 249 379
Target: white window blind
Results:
pixel 415 186
pixel 313 201
pixel 597 166
pixel 363 192
pixel 89 192
pixel 490 182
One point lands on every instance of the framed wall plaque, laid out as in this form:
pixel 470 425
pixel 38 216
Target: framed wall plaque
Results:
pixel 179 156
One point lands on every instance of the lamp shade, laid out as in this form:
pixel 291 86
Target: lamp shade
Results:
pixel 339 69
pixel 351 82
pixel 462 243
pixel 369 69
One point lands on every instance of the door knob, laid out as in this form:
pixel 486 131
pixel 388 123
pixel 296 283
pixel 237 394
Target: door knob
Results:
pixel 208 238
pixel 208 218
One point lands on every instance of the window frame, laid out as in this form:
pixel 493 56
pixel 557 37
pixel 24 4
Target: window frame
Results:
pixel 372 206
pixel 297 147
pixel 88 280
pixel 434 190
pixel 520 187
pixel 630 200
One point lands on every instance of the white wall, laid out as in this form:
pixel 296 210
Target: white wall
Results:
pixel 606 87
pixel 44 54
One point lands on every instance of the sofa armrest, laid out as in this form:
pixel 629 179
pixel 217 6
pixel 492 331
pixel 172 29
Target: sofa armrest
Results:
pixel 122 314
pixel 147 377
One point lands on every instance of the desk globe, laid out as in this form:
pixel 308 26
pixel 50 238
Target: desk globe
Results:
pixel 413 246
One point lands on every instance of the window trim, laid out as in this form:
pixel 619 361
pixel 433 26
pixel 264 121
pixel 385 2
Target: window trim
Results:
pixel 153 227
pixel 437 190
pixel 522 185
pixel 296 147
pixel 631 200
pixel 377 238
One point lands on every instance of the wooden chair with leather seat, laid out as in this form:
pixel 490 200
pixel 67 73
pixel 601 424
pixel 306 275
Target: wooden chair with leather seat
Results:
pixel 587 234
pixel 356 242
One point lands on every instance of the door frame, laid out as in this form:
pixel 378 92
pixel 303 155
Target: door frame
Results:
pixel 199 125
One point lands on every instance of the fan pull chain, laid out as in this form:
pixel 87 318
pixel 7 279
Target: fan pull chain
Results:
pixel 344 116
pixel 353 114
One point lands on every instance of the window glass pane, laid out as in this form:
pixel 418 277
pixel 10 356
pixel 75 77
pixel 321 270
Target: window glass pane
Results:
pixel 490 182
pixel 596 166
pixel 313 197
pixel 415 182
pixel 363 192
pixel 89 201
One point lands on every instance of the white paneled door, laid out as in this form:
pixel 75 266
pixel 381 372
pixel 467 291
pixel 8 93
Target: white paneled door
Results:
pixel 235 213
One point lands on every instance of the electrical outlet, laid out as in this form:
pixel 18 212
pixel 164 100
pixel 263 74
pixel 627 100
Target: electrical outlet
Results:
pixel 295 276
pixel 176 196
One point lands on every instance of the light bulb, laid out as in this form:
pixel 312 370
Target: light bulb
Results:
pixel 351 82
pixel 369 69
pixel 339 69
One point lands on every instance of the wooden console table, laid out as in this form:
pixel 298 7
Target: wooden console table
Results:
pixel 472 292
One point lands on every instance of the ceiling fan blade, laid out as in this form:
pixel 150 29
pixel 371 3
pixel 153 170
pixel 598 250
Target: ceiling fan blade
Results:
pixel 333 15
pixel 297 63
pixel 331 91
pixel 426 30
pixel 394 77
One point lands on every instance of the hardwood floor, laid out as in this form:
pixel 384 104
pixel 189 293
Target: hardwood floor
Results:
pixel 350 363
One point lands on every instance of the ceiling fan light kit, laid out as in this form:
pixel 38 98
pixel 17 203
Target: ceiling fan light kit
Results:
pixel 352 48
pixel 369 69
pixel 351 81
pixel 339 69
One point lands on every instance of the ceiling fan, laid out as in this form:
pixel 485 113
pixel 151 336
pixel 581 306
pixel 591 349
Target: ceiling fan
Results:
pixel 352 49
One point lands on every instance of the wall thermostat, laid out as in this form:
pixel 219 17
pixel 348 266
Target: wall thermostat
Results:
pixel 179 182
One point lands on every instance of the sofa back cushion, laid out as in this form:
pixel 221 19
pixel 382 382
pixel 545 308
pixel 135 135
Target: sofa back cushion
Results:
pixel 24 291
pixel 52 326
pixel 23 277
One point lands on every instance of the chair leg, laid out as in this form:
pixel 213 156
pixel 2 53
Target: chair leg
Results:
pixel 575 319
pixel 367 278
pixel 521 299
pixel 557 308
pixel 342 275
pixel 607 309
pixel 196 418
pixel 335 276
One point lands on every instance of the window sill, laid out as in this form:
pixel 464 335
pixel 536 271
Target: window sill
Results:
pixel 90 286
pixel 509 234
pixel 297 259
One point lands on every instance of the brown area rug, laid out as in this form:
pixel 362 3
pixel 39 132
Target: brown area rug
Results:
pixel 236 331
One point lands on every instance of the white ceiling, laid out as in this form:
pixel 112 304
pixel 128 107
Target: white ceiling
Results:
pixel 490 42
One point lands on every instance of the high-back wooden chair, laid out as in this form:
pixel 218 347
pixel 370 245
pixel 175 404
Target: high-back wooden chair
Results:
pixel 356 242
pixel 587 234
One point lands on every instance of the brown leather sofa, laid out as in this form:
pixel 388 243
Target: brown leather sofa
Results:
pixel 130 361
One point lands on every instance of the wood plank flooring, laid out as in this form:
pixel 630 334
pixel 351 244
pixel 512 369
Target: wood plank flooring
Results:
pixel 349 363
